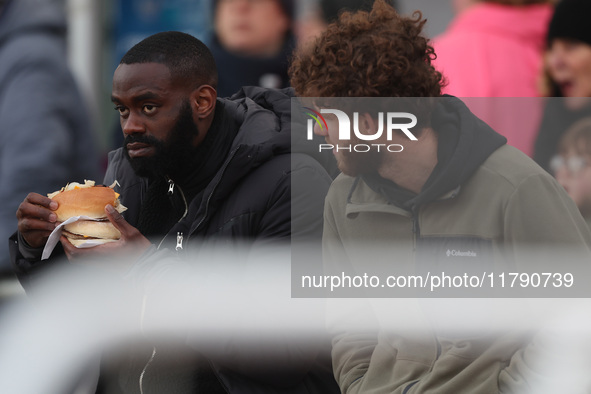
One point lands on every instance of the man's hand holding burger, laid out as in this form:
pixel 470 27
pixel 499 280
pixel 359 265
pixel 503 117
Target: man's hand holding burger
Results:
pixel 99 222
pixel 36 219
pixel 131 244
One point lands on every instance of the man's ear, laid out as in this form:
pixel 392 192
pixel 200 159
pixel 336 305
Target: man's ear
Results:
pixel 203 101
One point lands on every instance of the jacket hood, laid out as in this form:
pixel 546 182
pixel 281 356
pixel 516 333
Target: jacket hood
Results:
pixel 20 16
pixel 524 23
pixel 264 132
pixel 291 125
pixel 258 108
pixel 464 143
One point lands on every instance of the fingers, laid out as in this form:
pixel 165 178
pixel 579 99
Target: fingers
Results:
pixel 27 225
pixel 117 219
pixel 83 253
pixel 69 249
pixel 38 199
pixel 119 255
pixel 36 219
pixel 129 234
pixel 75 254
pixel 37 206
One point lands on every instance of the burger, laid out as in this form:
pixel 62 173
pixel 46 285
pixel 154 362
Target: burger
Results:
pixel 88 201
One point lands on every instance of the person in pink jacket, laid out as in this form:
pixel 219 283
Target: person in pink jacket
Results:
pixel 494 48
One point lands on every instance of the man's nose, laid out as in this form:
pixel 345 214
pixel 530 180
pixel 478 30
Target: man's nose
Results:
pixel 132 125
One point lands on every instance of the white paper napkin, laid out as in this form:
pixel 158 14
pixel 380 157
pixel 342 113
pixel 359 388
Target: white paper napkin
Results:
pixel 55 235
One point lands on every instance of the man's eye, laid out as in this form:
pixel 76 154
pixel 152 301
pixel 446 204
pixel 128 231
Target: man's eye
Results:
pixel 149 109
pixel 122 110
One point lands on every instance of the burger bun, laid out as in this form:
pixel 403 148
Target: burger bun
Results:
pixel 89 202
pixel 93 229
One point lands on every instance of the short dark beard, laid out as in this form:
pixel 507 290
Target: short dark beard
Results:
pixel 173 155
pixel 357 164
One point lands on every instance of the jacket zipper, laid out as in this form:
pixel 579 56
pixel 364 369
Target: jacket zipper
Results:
pixel 179 241
pixel 179 236
pixel 170 192
pixel 416 230
pixel 414 234
pixel 217 377
pixel 145 368
pixel 417 234
pixel 179 245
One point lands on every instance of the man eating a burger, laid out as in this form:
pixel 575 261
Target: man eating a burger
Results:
pixel 192 167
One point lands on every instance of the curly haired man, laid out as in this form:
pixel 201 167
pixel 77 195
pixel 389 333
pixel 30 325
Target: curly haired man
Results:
pixel 458 198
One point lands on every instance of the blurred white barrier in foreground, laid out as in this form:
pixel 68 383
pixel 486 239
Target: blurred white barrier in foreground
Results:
pixel 48 341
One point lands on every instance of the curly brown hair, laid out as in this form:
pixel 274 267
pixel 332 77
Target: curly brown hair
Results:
pixel 368 54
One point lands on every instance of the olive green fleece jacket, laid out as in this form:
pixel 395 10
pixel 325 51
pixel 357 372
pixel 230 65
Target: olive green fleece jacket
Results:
pixel 506 206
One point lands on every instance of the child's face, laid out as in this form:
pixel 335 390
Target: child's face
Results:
pixel 573 172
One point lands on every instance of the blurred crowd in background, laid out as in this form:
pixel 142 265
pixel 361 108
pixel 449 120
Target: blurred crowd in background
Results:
pixel 56 125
